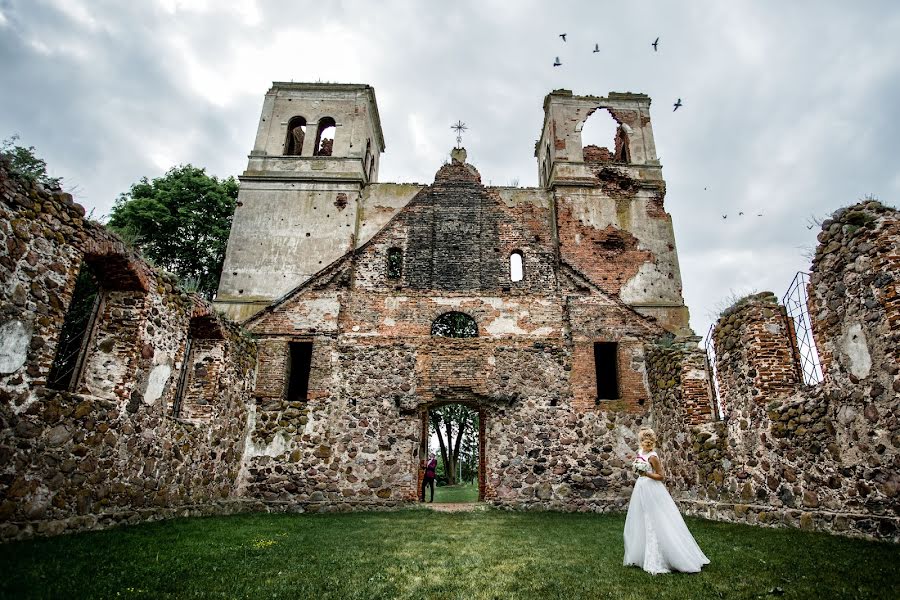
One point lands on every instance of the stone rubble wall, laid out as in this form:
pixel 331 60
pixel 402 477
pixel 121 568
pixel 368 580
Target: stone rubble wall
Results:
pixel 110 452
pixel 816 457
pixel 356 442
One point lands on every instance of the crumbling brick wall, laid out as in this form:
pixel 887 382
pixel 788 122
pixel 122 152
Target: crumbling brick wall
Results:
pixel 377 370
pixel 110 452
pixel 820 457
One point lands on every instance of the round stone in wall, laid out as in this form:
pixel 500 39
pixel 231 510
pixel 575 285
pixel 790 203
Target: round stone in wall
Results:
pixel 15 337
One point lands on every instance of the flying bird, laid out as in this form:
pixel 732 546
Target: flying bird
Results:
pixel 677 104
pixel 556 62
pixel 740 214
pixel 724 216
pixel 759 215
pixel 704 189
pixel 563 36
pixel 810 226
pixel 596 47
pixel 655 44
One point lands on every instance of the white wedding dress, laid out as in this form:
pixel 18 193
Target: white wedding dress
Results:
pixel 656 538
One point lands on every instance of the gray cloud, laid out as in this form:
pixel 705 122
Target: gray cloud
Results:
pixel 789 108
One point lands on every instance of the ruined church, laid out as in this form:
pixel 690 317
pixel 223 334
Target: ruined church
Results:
pixel 549 293
pixel 349 307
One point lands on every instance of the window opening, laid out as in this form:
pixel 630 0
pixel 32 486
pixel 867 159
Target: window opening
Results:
pixel 607 370
pixel 455 325
pixel 76 331
pixel 547 165
pixel 599 132
pixel 298 369
pixel 182 378
pixel 395 263
pixel 516 272
pixel 296 133
pixel 455 438
pixel 325 137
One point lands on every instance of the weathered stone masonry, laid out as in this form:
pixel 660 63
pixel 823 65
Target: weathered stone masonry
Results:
pixel 308 263
pixel 821 457
pixel 356 440
pixel 109 451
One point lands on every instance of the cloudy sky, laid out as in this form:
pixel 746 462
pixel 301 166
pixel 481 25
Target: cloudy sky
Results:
pixel 791 109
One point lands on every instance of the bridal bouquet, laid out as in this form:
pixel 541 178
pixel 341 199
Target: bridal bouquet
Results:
pixel 640 465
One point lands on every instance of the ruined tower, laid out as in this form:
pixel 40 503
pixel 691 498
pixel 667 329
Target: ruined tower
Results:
pixel 299 208
pixel 611 223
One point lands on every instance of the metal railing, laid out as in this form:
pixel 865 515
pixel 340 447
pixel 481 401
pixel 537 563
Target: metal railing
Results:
pixel 796 304
pixel 710 347
pixel 795 301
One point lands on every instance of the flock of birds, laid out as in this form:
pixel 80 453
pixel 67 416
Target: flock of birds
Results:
pixel 655 44
pixel 678 104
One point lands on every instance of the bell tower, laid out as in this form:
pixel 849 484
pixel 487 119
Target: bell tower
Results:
pixel 609 202
pixel 317 146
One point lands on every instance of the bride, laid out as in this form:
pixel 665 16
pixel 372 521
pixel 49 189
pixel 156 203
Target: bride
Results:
pixel 656 538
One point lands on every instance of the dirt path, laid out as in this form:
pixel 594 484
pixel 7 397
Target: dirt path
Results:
pixel 455 507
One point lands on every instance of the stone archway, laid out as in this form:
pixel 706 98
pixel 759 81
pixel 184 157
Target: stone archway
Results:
pixel 424 434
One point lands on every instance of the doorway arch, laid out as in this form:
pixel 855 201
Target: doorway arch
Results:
pixel 424 416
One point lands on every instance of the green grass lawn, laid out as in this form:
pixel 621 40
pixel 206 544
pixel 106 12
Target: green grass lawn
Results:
pixel 422 554
pixel 453 494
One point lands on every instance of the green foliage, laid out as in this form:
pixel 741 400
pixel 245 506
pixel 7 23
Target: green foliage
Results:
pixel 26 164
pixel 395 263
pixel 425 554
pixel 181 222
pixel 456 494
pixel 455 325
pixel 456 427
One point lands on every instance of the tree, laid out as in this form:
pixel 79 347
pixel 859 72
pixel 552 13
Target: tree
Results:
pixel 25 163
pixel 181 222
pixel 453 421
pixel 454 324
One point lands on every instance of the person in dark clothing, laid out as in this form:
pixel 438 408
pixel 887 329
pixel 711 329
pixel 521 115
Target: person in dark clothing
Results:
pixel 430 468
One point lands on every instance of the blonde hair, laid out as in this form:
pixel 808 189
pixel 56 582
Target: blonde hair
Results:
pixel 647 434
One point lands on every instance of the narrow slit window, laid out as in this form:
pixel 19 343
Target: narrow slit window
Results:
pixel 76 331
pixel 516 272
pixel 395 263
pixel 606 366
pixel 183 377
pixel 298 369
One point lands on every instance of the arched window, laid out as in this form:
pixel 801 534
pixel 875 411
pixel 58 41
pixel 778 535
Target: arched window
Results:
pixel 394 263
pixel 455 325
pixel 516 268
pixel 325 137
pixel 296 133
pixel 597 131
pixel 76 331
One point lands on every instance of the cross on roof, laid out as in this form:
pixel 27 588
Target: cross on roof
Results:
pixel 459 127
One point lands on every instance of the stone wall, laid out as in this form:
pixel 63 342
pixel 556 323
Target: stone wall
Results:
pixel 107 449
pixel 821 457
pixel 356 440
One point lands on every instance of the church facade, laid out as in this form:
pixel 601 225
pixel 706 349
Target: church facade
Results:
pixel 555 292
